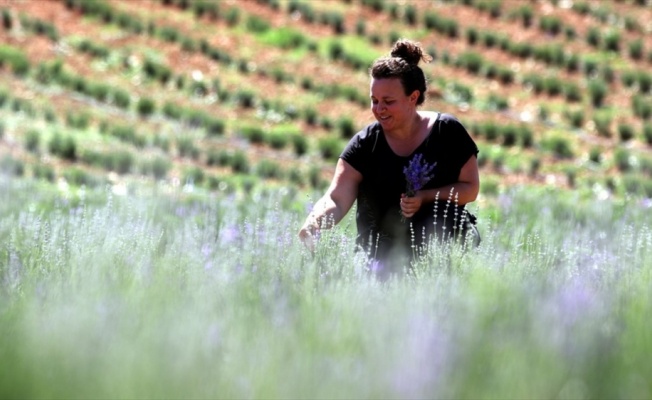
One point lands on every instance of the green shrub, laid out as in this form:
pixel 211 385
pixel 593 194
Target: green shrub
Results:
pixel 295 176
pixel 254 134
pixel 625 132
pixel 550 24
pixel 310 115
pixel 575 117
pixel 79 177
pixel 121 98
pixel 510 135
pixel 471 61
pixel 245 98
pixel 299 144
pixel 329 147
pixel 7 19
pixel 215 126
pixel 120 161
pixel 186 148
pixel 526 136
pixel 637 185
pixel 335 50
pixel 145 107
pixel 193 175
pixel 647 133
pixel 346 127
pixel 572 92
pixel 43 172
pixel 63 146
pixel 603 123
pixel 642 106
pixel 635 48
pixel 559 146
pixel 277 139
pixel 269 169
pixel 240 162
pixel 315 178
pixel 595 155
pixel 232 16
pixel 612 41
pixel 622 159
pixel 15 59
pixel 410 14
pixel 593 37
pixel 4 97
pixel 598 91
pixel 157 167
pixel 172 110
pixel 11 166
pixel 32 140
pixel 220 158
pixel 644 81
pixel 628 78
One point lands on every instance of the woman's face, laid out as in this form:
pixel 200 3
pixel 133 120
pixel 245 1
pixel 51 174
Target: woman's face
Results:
pixel 389 104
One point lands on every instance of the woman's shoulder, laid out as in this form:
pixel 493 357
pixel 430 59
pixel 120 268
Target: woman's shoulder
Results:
pixel 369 133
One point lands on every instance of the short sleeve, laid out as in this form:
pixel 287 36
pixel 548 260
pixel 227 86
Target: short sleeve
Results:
pixel 457 140
pixel 358 151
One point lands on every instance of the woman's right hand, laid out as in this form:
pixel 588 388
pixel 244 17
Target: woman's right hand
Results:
pixel 309 233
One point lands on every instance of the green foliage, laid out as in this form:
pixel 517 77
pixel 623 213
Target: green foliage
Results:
pixel 156 166
pixel 346 127
pixel 269 169
pixel 471 61
pixel 598 91
pixel 145 107
pixel 254 134
pixel 77 176
pixel 299 144
pixel 15 59
pixel 602 122
pixel 186 147
pixel 551 24
pixel 625 132
pixel 647 133
pixel 622 159
pixel 7 19
pixel 240 162
pixel 257 24
pixel 11 166
pixel 330 147
pixel 64 146
pixel 32 140
pixel 559 146
pixel 43 171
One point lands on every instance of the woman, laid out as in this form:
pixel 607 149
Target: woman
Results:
pixel 431 149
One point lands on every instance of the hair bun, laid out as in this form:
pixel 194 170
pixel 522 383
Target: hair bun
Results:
pixel 409 51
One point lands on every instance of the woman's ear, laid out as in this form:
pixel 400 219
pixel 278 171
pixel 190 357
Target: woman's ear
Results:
pixel 415 96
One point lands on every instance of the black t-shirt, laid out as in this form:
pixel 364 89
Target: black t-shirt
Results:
pixel 378 217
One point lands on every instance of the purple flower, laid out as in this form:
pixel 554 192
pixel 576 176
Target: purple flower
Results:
pixel 417 174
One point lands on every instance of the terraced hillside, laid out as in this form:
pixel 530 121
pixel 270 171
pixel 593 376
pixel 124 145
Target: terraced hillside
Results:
pixel 226 94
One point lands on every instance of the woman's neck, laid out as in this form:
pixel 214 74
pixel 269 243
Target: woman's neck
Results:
pixel 411 130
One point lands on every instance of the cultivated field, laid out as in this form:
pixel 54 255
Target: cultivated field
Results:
pixel 157 158
pixel 193 295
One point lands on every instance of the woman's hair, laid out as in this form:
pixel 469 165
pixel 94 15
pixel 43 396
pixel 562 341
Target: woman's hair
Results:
pixel 403 63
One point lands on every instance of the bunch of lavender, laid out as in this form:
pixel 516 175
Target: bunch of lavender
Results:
pixel 417 174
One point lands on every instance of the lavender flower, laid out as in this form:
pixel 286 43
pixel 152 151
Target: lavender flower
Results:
pixel 417 174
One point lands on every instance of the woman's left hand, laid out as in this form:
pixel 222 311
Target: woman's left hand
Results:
pixel 410 205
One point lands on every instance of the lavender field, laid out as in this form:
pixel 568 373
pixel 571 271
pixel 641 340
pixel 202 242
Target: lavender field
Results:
pixel 170 293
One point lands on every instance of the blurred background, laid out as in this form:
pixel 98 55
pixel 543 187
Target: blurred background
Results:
pixel 231 94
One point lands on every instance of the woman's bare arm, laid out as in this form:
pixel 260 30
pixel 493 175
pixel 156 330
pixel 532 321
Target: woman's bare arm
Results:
pixel 336 202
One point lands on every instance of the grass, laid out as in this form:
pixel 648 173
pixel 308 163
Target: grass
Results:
pixel 168 293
